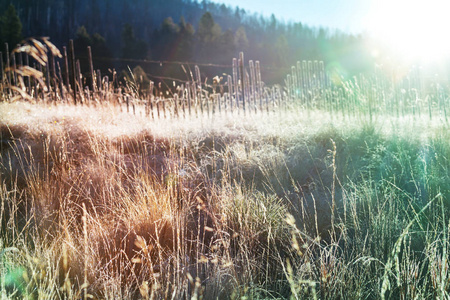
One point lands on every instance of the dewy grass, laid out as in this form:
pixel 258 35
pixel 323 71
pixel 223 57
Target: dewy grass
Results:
pixel 98 203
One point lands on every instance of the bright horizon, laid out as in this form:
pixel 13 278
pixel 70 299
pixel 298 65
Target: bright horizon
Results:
pixel 413 29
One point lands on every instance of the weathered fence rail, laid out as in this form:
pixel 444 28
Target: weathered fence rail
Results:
pixel 308 86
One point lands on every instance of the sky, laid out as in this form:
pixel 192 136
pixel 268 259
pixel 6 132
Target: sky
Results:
pixel 346 15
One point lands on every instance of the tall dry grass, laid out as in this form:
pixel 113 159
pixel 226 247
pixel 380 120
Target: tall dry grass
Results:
pixel 98 203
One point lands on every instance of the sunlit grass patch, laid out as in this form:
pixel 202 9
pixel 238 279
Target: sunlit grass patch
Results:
pixel 95 202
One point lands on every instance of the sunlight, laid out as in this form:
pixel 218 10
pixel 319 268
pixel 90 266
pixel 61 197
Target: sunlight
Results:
pixel 416 30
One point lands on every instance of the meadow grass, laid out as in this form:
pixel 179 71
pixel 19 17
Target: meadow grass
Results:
pixel 97 203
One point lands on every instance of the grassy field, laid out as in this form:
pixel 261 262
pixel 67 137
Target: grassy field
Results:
pixel 97 203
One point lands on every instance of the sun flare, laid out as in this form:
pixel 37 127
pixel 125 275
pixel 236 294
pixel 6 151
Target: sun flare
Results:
pixel 414 29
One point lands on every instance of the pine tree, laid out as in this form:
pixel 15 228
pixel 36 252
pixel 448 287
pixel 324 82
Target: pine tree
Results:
pixel 82 40
pixel 240 39
pixel 100 51
pixel 132 47
pixel 208 30
pixel 208 35
pixel 186 40
pixel 10 27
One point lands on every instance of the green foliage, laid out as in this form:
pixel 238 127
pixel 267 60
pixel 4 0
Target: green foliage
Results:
pixel 133 47
pixel 208 30
pixel 168 27
pixel 185 39
pixel 240 39
pixel 83 39
pixel 100 51
pixel 96 41
pixel 282 50
pixel 10 27
pixel 14 282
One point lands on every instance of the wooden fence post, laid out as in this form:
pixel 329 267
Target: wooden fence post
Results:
pixel 66 69
pixel 74 72
pixel 253 85
pixel 47 78
pixel 236 85
pixel 164 107
pixel 35 84
pixel 242 78
pixel 175 100
pixel 207 105
pixel 199 88
pixel 52 70
pixel 8 63
pixel 3 75
pixel 14 67
pixel 259 85
pixel 43 95
pixel 188 95
pixel 91 69
pixel 247 92
pixel 53 65
pixel 230 93
pixel 219 103
pixel 61 84
pixel 99 83
pixel 19 55
pixel 1 67
pixel 79 81
pixel 150 92
pixel 183 99
pixel 27 62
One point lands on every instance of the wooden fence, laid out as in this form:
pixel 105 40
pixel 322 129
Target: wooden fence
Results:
pixel 308 86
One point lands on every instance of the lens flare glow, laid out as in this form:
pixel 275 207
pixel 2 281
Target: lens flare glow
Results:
pixel 415 29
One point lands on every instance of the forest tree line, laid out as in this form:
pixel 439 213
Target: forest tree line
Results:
pixel 126 34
